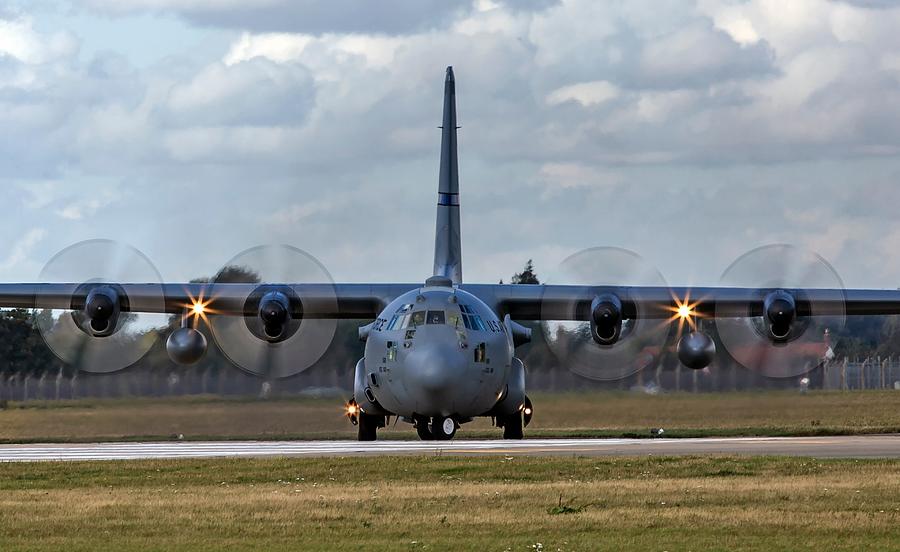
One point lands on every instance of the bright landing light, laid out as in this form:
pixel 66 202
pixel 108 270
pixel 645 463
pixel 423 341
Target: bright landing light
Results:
pixel 198 309
pixel 684 311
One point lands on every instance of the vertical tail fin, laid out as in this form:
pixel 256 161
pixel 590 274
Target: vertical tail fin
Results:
pixel 447 246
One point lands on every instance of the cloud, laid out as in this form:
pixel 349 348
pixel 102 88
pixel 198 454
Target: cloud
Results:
pixel 19 41
pixel 255 92
pixel 649 125
pixel 699 55
pixel 585 93
pixel 21 250
pixel 303 16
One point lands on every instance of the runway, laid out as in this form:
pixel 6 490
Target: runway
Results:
pixel 875 446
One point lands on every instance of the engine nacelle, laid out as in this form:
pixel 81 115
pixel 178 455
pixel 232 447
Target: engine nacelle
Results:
pixel 606 319
pixel 780 313
pixel 96 310
pixel 278 313
pixel 186 346
pixel 696 350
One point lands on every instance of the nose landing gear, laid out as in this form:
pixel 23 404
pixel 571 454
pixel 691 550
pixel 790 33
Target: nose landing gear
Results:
pixel 439 428
pixel 443 428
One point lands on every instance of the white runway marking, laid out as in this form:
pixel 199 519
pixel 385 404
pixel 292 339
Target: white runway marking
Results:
pixel 864 446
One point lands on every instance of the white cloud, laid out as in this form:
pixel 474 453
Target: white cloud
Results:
pixel 253 92
pixel 21 250
pixel 278 47
pixel 19 40
pixel 585 93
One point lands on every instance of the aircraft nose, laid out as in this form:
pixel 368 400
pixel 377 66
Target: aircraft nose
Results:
pixel 432 372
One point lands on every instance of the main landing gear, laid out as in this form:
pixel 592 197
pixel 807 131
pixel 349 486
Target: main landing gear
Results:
pixel 513 424
pixel 367 424
pixel 439 428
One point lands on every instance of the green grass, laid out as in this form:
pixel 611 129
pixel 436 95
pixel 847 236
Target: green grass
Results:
pixel 611 414
pixel 450 503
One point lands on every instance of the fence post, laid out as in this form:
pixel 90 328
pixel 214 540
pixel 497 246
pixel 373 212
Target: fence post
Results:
pixel 844 374
pixel 862 374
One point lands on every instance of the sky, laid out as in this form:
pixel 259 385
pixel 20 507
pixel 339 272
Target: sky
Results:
pixel 690 132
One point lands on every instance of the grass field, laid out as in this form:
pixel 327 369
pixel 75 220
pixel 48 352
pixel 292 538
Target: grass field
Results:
pixel 571 414
pixel 442 503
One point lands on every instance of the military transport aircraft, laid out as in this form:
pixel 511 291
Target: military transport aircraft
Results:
pixel 440 353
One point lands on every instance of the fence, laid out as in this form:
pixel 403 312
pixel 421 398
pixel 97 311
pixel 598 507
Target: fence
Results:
pixel 861 374
pixel 841 374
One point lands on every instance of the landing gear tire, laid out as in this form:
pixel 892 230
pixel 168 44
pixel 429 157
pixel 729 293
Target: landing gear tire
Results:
pixel 512 426
pixel 423 429
pixel 368 426
pixel 443 428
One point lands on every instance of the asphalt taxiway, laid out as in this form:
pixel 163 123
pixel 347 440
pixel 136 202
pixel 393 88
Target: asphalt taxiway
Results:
pixel 870 446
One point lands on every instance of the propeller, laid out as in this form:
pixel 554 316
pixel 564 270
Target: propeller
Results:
pixel 787 336
pixel 98 333
pixel 616 341
pixel 274 339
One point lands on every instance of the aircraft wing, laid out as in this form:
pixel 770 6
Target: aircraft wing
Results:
pixel 340 301
pixel 521 302
pixel 258 329
pixel 561 302
pixel 777 333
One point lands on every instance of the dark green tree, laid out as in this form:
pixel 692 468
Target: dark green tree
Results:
pixel 527 276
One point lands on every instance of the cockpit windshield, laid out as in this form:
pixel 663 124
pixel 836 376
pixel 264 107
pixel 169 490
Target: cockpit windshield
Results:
pixel 417 319
pixel 466 318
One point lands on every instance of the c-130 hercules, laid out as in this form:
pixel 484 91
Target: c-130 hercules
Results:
pixel 440 354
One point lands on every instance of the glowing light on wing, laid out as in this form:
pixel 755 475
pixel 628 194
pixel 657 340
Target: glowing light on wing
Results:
pixel 198 308
pixel 684 311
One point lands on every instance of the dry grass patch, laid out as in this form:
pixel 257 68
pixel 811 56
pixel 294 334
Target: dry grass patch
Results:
pixel 433 503
pixel 558 415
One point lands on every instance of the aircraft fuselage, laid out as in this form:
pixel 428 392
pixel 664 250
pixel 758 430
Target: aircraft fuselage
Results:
pixel 438 352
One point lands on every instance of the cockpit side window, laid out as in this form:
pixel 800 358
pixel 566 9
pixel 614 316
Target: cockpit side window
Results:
pixel 399 322
pixel 436 317
pixel 472 319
